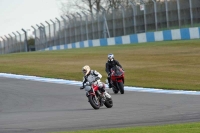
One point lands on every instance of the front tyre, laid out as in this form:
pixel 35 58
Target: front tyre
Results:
pixel 121 87
pixel 115 90
pixel 94 103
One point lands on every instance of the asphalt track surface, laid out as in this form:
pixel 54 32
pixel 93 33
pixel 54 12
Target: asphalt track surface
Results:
pixel 39 107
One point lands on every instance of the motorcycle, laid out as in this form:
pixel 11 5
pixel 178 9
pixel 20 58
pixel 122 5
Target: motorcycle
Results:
pixel 117 79
pixel 95 97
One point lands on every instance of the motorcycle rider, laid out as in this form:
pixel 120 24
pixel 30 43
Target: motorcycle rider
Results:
pixel 110 64
pixel 92 76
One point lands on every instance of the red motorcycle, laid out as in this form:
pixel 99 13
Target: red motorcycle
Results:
pixel 95 97
pixel 117 79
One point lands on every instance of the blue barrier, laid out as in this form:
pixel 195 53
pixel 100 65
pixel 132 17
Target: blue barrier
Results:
pixel 166 35
pixel 134 38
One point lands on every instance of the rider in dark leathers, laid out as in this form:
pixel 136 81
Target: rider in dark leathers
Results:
pixel 110 64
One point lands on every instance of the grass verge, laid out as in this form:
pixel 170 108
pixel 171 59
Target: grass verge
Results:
pixel 176 128
pixel 165 65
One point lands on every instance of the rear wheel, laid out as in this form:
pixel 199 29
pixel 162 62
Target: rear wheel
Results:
pixel 121 87
pixel 94 102
pixel 108 103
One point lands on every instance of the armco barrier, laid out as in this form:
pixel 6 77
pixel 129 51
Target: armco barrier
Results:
pixel 166 35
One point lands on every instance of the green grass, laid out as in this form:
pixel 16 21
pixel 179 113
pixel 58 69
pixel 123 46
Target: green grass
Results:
pixel 176 128
pixel 165 65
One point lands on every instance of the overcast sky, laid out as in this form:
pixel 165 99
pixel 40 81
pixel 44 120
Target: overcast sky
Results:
pixel 18 14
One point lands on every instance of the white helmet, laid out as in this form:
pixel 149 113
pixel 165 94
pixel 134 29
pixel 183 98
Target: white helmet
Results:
pixel 110 57
pixel 86 69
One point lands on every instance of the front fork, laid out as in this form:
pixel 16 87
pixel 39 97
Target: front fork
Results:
pixel 102 98
pixel 91 93
pixel 116 82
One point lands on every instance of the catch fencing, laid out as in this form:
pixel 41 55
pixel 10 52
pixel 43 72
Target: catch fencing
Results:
pixel 135 18
pixel 13 44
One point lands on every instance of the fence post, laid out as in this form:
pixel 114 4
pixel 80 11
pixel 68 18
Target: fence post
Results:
pixel 15 41
pixel 49 40
pixel 92 25
pixel 123 16
pixel 11 43
pixel 75 33
pixel 59 31
pixel 7 42
pixel 133 5
pixel 3 52
pixel 20 38
pixel 26 43
pixel 3 45
pixel 40 37
pixel 145 19
pixel 81 26
pixel 86 24
pixel 113 17
pixel 179 17
pixel 105 23
pixel 45 36
pixel 155 12
pixel 98 27
pixel 191 13
pixel 70 33
pixel 167 15
pixel 54 32
pixel 35 36
pixel 65 32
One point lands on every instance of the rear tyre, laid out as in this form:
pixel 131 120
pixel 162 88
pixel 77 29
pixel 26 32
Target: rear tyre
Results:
pixel 108 103
pixel 121 87
pixel 94 103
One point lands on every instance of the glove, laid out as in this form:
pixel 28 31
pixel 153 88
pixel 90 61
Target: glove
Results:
pixel 81 87
pixel 97 78
pixel 87 83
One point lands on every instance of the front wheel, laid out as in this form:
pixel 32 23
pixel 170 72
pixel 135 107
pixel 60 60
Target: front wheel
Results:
pixel 121 87
pixel 94 102
pixel 115 90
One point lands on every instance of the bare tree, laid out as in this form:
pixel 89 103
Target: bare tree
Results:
pixel 115 4
pixel 68 6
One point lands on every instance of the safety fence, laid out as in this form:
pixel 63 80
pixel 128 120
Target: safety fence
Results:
pixel 166 35
pixel 13 44
pixel 142 17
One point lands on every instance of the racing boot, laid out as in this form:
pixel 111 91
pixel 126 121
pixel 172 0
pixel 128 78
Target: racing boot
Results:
pixel 107 95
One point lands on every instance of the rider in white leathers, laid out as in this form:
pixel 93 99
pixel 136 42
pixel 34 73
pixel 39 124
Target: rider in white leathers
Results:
pixel 92 76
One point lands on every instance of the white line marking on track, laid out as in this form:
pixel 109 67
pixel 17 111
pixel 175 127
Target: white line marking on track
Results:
pixel 78 83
